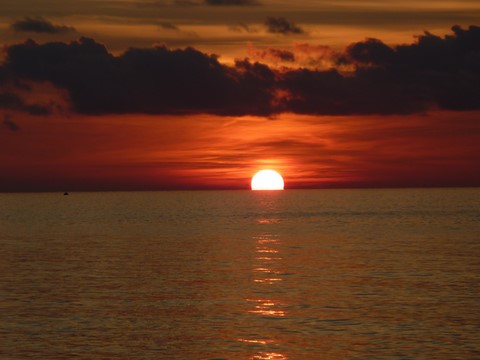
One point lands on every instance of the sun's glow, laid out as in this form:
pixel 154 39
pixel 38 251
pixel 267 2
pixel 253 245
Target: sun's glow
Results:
pixel 267 180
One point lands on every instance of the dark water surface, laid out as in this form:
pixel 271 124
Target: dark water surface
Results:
pixel 317 274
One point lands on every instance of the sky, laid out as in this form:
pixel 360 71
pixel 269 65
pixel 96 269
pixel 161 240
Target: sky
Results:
pixel 202 94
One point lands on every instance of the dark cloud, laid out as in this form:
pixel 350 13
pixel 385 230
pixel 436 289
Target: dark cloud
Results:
pixel 168 26
pixel 12 101
pixel 371 51
pixel 40 25
pixel 10 124
pixel 232 2
pixel 371 91
pixel 282 55
pixel 156 80
pixel 433 72
pixel 280 25
pixel 444 70
pixel 272 54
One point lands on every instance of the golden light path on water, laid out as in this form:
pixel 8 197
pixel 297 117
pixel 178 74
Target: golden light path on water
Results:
pixel 266 274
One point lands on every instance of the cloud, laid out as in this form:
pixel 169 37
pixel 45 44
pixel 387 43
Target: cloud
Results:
pixel 369 92
pixel 9 124
pixel 280 25
pixel 12 101
pixel 232 2
pixel 40 25
pixel 444 70
pixel 271 54
pixel 168 26
pixel 371 51
pixel 315 56
pixel 154 81
pixel 432 73
pixel 304 55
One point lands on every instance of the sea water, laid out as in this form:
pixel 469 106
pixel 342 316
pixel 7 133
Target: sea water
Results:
pixel 312 274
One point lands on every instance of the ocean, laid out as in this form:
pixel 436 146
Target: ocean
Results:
pixel 294 274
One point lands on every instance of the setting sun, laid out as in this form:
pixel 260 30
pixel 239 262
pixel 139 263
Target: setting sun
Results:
pixel 267 180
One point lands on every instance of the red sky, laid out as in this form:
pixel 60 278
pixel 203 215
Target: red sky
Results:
pixel 93 115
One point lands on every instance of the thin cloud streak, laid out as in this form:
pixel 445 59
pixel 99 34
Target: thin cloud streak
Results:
pixel 40 25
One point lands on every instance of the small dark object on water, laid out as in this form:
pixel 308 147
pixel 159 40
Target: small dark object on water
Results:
pixel 65 193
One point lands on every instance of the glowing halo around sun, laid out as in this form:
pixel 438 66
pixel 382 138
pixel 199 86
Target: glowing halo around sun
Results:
pixel 267 180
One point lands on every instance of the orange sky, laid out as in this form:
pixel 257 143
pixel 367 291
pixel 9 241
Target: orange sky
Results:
pixel 71 148
pixel 156 152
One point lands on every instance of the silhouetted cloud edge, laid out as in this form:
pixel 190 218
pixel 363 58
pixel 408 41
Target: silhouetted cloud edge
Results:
pixel 433 72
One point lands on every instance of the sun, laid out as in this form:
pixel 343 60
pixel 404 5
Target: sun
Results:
pixel 267 180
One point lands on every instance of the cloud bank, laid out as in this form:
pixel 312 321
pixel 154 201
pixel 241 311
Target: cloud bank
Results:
pixel 432 73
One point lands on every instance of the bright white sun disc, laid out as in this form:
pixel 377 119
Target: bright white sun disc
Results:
pixel 267 180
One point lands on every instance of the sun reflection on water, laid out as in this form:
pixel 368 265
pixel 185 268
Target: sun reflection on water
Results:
pixel 266 307
pixel 266 270
pixel 267 275
pixel 267 281
pixel 261 342
pixel 269 251
pixel 268 221
pixel 268 258
pixel 267 241
pixel 269 356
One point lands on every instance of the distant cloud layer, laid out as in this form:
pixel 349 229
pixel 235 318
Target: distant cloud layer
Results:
pixel 433 72
pixel 232 2
pixel 190 3
pixel 40 25
pixel 280 25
